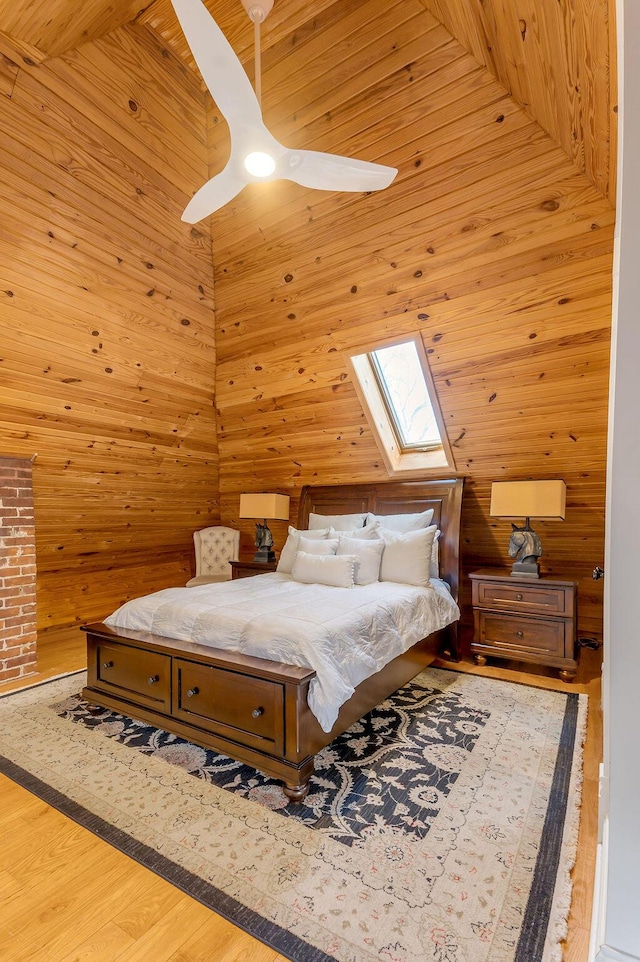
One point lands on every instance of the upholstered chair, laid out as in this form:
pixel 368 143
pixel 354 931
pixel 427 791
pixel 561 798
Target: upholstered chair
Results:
pixel 215 547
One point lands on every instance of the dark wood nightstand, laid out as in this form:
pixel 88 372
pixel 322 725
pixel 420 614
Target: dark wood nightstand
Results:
pixel 525 619
pixel 247 569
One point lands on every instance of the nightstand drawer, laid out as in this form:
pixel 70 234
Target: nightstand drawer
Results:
pixel 536 598
pixel 521 635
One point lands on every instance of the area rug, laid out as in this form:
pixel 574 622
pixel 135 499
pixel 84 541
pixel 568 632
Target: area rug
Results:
pixel 440 828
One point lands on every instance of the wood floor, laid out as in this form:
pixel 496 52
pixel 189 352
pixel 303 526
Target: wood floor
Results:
pixel 66 896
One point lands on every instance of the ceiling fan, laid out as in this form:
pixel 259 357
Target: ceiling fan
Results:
pixel 255 154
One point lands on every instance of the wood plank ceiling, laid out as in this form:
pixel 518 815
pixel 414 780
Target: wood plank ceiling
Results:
pixel 557 60
pixel 495 241
pixel 45 30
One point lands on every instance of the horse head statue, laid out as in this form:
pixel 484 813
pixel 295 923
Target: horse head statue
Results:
pixel 264 538
pixel 524 544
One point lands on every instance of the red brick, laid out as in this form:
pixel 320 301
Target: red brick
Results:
pixel 6 674
pixel 10 636
pixel 26 597
pixel 16 619
pixel 14 630
pixel 15 581
pixel 9 653
pixel 16 500
pixel 19 659
pixel 17 567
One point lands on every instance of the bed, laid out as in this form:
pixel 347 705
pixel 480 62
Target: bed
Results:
pixel 258 710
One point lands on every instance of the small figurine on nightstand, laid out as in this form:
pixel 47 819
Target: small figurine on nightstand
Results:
pixel 264 538
pixel 525 546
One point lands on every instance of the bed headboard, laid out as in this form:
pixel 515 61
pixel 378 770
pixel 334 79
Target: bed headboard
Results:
pixel 397 497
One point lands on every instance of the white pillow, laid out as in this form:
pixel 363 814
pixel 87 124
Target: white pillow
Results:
pixel 341 522
pixel 314 569
pixel 368 533
pixel 402 522
pixel 407 556
pixel 317 545
pixel 288 553
pixel 368 555
pixel 435 556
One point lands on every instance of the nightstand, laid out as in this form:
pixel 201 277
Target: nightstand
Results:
pixel 247 569
pixel 525 619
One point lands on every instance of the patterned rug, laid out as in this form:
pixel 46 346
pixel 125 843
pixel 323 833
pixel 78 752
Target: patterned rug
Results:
pixel 442 827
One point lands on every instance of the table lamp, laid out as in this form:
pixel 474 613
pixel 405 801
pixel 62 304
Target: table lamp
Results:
pixel 266 506
pixel 527 499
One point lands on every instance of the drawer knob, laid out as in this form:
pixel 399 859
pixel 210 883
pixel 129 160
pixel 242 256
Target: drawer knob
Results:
pixel 192 691
pixel 519 597
pixel 520 634
pixel 152 679
pixel 257 712
pixel 107 664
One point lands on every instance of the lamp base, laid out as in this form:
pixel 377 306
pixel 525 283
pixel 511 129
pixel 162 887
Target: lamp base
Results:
pixel 528 568
pixel 264 554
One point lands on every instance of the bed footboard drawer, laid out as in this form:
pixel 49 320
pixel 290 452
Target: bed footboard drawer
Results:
pixel 135 674
pixel 244 708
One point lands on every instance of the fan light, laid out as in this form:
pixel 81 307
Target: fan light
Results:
pixel 259 164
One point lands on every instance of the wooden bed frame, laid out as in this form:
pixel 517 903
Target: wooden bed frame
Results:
pixel 255 710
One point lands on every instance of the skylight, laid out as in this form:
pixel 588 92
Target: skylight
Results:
pixel 404 389
pixel 398 397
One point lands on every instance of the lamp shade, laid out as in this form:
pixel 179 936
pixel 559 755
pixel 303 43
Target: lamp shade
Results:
pixel 528 499
pixel 275 506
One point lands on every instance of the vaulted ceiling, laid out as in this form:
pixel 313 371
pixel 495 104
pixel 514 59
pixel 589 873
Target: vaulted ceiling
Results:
pixel 555 57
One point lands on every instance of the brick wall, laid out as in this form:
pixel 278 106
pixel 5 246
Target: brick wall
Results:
pixel 17 570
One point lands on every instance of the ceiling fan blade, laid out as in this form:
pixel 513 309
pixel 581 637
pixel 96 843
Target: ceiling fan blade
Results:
pixel 312 168
pixel 214 194
pixel 221 70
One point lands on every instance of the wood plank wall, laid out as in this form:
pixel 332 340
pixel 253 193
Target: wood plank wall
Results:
pixel 491 243
pixel 107 352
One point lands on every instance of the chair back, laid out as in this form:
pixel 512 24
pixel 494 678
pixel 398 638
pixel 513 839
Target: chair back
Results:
pixel 215 547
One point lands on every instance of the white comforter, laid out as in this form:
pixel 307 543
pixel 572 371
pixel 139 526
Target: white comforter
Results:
pixel 344 634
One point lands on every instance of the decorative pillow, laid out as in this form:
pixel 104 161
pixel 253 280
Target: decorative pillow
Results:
pixel 288 553
pixel 435 556
pixel 341 522
pixel 407 556
pixel 317 545
pixel 333 570
pixel 369 533
pixel 368 555
pixel 402 522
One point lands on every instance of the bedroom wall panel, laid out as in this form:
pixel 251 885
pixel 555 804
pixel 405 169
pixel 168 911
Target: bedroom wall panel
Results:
pixel 107 352
pixel 491 242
